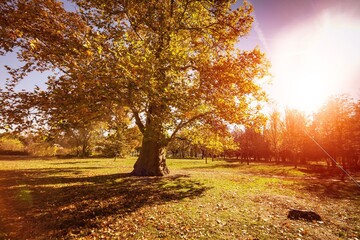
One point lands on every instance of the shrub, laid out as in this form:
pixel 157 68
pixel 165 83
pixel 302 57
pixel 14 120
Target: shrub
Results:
pixel 10 145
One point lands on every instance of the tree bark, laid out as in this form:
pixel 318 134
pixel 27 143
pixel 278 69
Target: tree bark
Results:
pixel 152 159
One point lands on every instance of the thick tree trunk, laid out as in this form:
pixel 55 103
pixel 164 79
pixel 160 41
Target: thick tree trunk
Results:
pixel 152 160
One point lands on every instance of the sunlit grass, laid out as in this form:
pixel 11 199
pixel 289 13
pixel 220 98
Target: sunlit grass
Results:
pixel 97 198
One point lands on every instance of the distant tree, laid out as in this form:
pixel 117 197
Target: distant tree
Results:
pixel 274 134
pixel 172 63
pixel 252 144
pixel 312 151
pixel 294 136
pixel 11 144
pixel 179 146
pixel 118 140
pixel 38 144
pixel 334 127
pixel 355 135
pixel 69 111
pixel 211 139
pixel 79 137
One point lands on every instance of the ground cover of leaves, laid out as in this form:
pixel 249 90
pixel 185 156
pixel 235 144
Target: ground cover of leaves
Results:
pixel 98 199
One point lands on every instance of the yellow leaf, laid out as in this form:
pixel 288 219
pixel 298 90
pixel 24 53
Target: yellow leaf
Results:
pixel 87 44
pixel 33 44
pixel 89 53
pixel 100 49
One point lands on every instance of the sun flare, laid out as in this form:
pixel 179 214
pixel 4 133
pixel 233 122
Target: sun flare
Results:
pixel 315 60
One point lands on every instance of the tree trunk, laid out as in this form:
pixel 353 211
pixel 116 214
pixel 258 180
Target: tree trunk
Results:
pixel 84 152
pixel 152 159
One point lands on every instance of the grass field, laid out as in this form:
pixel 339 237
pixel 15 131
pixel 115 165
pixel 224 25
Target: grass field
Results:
pixel 98 199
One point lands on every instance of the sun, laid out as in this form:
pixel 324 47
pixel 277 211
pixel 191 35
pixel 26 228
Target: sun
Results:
pixel 312 61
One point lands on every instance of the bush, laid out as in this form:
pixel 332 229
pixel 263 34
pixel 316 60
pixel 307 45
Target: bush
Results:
pixel 11 146
pixel 42 149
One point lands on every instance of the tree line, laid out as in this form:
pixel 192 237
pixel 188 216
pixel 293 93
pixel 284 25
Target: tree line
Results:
pixel 115 138
pixel 289 137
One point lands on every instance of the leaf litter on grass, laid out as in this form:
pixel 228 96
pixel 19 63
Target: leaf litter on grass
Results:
pixel 96 202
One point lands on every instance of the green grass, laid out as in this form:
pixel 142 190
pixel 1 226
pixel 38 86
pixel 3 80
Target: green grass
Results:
pixel 98 199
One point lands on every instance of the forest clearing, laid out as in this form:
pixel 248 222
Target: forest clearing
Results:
pixel 98 199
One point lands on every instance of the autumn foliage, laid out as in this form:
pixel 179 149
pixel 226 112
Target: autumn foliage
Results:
pixel 170 64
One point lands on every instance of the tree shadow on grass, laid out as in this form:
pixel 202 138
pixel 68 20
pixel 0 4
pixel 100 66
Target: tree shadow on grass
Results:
pixel 266 169
pixel 23 157
pixel 332 189
pixel 36 205
pixel 74 162
pixel 325 172
pixel 321 171
pixel 216 166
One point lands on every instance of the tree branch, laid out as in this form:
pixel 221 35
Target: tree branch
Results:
pixel 183 124
pixel 138 121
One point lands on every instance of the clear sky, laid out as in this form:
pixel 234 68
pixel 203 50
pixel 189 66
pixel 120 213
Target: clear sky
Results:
pixel 313 45
pixel 314 48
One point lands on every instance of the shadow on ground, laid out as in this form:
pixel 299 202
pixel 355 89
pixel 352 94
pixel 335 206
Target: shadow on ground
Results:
pixel 266 169
pixel 324 172
pixel 316 180
pixel 22 158
pixel 36 205
pixel 332 189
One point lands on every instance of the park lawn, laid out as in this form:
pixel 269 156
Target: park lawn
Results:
pixel 98 199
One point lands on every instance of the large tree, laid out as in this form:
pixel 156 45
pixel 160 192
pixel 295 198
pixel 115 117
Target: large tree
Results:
pixel 171 62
